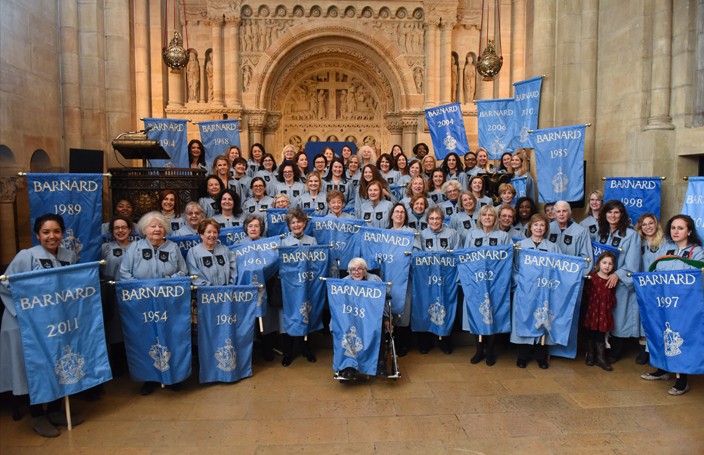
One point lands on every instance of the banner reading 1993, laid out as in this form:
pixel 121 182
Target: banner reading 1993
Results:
pixel 156 323
pixel 485 275
pixel 496 124
pixel 694 203
pixel 547 287
pixel 356 308
pixel 672 308
pixel 225 332
pixel 61 323
pixel 78 198
pixel 447 130
pixel 434 302
pixel 217 136
pixel 173 137
pixel 638 194
pixel 559 155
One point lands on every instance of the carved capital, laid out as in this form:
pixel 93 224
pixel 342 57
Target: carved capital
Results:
pixel 256 120
pixel 273 120
pixel 393 123
pixel 8 189
pixel 409 122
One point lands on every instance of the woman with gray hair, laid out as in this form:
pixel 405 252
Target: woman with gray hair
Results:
pixel 193 214
pixel 452 190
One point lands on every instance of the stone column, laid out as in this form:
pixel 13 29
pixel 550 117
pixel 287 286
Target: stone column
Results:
pixel 588 77
pixel 255 124
pixel 394 126
pixel 431 66
pixel 70 74
pixel 92 43
pixel 177 89
pixel 518 42
pixel 233 83
pixel 273 120
pixel 117 88
pixel 8 234
pixel 157 73
pixel 142 67
pixel 409 123
pixel 659 118
pixel 445 62
pixel 543 58
pixel 218 62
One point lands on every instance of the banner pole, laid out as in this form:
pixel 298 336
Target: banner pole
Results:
pixel 67 405
pixel 542 340
pixel 261 325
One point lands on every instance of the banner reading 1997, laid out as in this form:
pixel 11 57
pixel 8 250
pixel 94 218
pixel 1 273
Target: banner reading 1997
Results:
pixel 559 155
pixel 78 198
pixel 156 323
pixel 447 130
pixel 672 310
pixel 173 137
pixel 61 323
pixel 217 136
pixel 496 125
pixel 638 194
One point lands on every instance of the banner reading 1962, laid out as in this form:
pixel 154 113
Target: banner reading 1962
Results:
pixel 447 130
pixel 78 198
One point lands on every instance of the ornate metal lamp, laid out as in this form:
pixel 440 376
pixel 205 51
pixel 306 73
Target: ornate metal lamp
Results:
pixel 490 61
pixel 175 55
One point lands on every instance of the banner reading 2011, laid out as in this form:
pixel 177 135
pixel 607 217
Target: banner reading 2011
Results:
pixel 447 130
pixel 694 203
pixel 527 98
pixel 61 324
pixel 78 198
pixel 559 155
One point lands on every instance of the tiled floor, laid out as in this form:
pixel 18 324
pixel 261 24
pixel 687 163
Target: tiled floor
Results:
pixel 442 404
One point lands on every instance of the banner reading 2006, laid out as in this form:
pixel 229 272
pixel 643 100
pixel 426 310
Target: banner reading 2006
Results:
pixel 156 323
pixel 559 155
pixel 226 332
pixel 78 198
pixel 61 324
pixel 496 124
pixel 447 130
pixel 672 307
pixel 434 301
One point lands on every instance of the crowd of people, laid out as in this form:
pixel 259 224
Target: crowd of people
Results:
pixel 446 204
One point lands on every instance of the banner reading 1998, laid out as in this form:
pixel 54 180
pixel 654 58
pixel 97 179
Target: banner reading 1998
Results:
pixel 638 194
pixel 78 198
pixel 447 130
pixel 61 324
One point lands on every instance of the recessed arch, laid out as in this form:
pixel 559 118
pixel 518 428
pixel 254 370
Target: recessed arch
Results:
pixel 8 163
pixel 40 161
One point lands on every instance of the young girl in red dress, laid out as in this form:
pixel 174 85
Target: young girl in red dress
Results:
pixel 599 319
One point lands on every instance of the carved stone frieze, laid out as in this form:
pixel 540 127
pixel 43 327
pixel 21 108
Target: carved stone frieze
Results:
pixel 8 189
pixel 273 119
pixel 256 120
pixel 393 123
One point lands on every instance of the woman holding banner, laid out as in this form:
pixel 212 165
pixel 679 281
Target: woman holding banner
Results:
pixel 683 233
pixel 213 263
pixel 538 229
pixel 49 229
pixel 519 169
pixel 614 231
pixel 297 220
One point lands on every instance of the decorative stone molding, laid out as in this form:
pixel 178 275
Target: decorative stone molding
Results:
pixel 8 189
pixel 256 120
pixel 393 123
pixel 273 119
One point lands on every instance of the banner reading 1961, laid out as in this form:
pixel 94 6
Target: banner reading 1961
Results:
pixel 447 130
pixel 559 155
pixel 78 198
pixel 61 323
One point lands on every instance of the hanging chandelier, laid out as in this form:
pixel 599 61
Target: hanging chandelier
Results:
pixel 175 55
pixel 490 59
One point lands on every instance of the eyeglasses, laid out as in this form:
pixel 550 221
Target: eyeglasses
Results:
pixel 357 269
pixel 258 186
pixel 120 228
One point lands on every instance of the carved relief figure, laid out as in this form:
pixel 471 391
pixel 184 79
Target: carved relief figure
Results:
pixel 246 77
pixel 193 77
pixel 470 77
pixel 322 104
pixel 209 76
pixel 454 72
pixel 418 78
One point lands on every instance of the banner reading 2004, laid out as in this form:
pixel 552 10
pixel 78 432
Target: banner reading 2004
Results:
pixel 78 198
pixel 447 130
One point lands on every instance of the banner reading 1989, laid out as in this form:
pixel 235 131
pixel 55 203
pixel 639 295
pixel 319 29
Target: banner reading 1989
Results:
pixel 447 130
pixel 78 198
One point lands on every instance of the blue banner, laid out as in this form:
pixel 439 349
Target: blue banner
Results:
pixel 185 242
pixel 638 194
pixel 434 300
pixel 386 250
pixel 225 332
pixel 61 324
pixel 156 323
pixel 447 130
pixel 520 184
pixel 172 134
pixel 276 222
pixel 526 94
pixel 356 309
pixel 496 125
pixel 485 275
pixel 547 288
pixel 341 234
pixel 599 248
pixel 672 312
pixel 300 269
pixel 217 136
pixel 229 236
pixel 78 198
pixel 694 203
pixel 559 156
pixel 257 262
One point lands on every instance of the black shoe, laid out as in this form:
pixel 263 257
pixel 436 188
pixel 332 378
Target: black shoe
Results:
pixel 490 359
pixel 348 373
pixel 147 388
pixel 642 358
pixel 424 350
pixel 521 363
pixel 478 357
pixel 286 361
pixel 175 387
pixel 310 357
pixel 401 351
pixel 446 346
pixel 543 364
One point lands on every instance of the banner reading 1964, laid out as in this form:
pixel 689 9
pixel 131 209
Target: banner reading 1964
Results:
pixel 447 130
pixel 78 198
pixel 61 323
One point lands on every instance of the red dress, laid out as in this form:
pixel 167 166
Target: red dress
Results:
pixel 602 300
